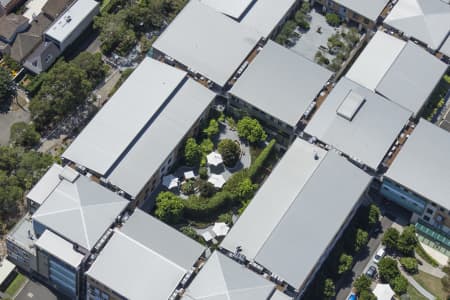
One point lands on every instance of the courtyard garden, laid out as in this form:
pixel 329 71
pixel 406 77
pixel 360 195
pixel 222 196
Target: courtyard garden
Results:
pixel 221 169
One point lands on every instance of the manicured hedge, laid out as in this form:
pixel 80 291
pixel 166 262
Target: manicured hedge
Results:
pixel 255 168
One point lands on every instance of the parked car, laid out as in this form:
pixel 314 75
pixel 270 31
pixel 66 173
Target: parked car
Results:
pixel 379 255
pixel 371 272
pixel 352 296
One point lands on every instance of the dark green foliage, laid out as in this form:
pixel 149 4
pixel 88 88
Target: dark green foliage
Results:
pixel 407 241
pixel 329 290
pixel 387 268
pixel 409 264
pixel 226 218
pixel 390 238
pixel 399 285
pixel 256 166
pixel 345 263
pixel 23 134
pixel 361 240
pixel 367 295
pixel 230 152
pixel 374 214
pixel 93 65
pixel 206 189
pixel 251 130
pixel 212 129
pixel 7 86
pixel 192 152
pixel 286 32
pixel 203 173
pixel 199 208
pixel 188 187
pixel 362 283
pixel 333 19
pixel 169 208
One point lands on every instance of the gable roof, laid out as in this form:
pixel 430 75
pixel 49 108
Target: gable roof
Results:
pixel 426 20
pixel 42 58
pixel 232 8
pixel 278 75
pixel 368 134
pixel 198 37
pixel 10 25
pixel 80 210
pixel 45 186
pixel 53 8
pixel 224 279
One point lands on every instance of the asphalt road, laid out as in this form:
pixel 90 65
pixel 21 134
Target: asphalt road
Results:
pixel 344 286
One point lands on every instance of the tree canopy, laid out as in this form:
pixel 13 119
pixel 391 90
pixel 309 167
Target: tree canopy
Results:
pixel 387 268
pixel 7 86
pixel 251 130
pixel 169 207
pixel 23 134
pixel 390 238
pixel 192 152
pixel 230 152
pixel 212 129
pixel 407 241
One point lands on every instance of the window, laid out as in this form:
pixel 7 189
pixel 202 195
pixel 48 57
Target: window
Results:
pixel 426 218
pixel 441 209
pixel 429 211
pixel 433 204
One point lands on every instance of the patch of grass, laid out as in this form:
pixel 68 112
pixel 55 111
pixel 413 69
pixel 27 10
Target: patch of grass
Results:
pixel 414 294
pixel 431 284
pixel 425 256
pixel 15 285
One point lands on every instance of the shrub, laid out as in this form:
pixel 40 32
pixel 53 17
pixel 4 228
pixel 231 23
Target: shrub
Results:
pixel 251 130
pixel 226 218
pixel 387 268
pixel 399 285
pixel 256 166
pixel 169 207
pixel 333 19
pixel 203 173
pixel 206 146
pixel 212 129
pixel 192 152
pixel 188 187
pixel 390 238
pixel 25 135
pixel 361 239
pixel 345 263
pixel 207 208
pixel 374 214
pixel 329 289
pixel 409 264
pixel 206 189
pixel 230 152
pixel 362 283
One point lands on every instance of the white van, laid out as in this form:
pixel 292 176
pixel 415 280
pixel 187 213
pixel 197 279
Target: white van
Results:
pixel 379 255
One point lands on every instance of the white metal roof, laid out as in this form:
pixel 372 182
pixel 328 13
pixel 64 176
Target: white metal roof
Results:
pixel 265 15
pixel 422 165
pixel 333 185
pixel 369 133
pixel 445 49
pixel 59 248
pixel 68 22
pixel 232 8
pixel 376 59
pixel 6 267
pixel 280 296
pixel 224 279
pixel 281 83
pixel 145 260
pixel 45 185
pixel 161 137
pixel 121 120
pixel 426 20
pixel 80 211
pixel 207 41
pixel 370 9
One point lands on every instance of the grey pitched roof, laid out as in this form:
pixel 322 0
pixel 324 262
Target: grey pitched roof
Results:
pixel 445 49
pixel 161 137
pixel 308 184
pixel 265 15
pixel 53 8
pixel 426 20
pixel 140 97
pixel 198 36
pixel 422 165
pixel 42 58
pixel 80 211
pixel 281 83
pixel 370 9
pixel 232 8
pixel 369 134
pixel 59 248
pixel 45 186
pixel 157 258
pixel 11 24
pixel 223 279
pixel 412 77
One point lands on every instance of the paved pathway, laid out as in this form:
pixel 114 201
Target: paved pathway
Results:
pixel 416 285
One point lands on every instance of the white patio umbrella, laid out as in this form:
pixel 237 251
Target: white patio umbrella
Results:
pixel 189 175
pixel 383 292
pixel 220 229
pixel 207 236
pixel 170 181
pixel 217 180
pixel 214 159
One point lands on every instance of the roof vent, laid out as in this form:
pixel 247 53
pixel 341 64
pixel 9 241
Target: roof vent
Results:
pixel 68 19
pixel 350 105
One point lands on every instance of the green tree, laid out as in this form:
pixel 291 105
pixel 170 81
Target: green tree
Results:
pixel 387 269
pixel 407 241
pixel 362 283
pixel 93 65
pixel 169 207
pixel 329 289
pixel 409 264
pixel 374 214
pixel 345 263
pixel 390 238
pixel 206 189
pixel 367 295
pixel 206 146
pixel 399 285
pixel 251 130
pixel 333 19
pixel 305 8
pixel 226 218
pixel 230 152
pixel 192 152
pixel 7 86
pixel 212 129
pixel 300 19
pixel 245 189
pixel 23 134
pixel 362 237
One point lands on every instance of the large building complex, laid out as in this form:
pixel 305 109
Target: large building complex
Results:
pixel 314 181
pixel 400 71
pixel 358 122
pixel 165 107
pixel 418 180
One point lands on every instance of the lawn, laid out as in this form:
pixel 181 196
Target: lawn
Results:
pixel 431 284
pixel 15 285
pixel 414 294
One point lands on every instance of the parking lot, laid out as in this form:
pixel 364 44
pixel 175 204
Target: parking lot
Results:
pixel 35 291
